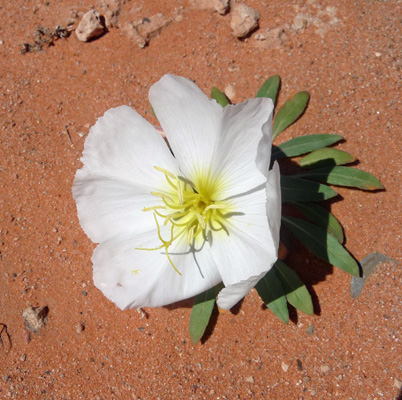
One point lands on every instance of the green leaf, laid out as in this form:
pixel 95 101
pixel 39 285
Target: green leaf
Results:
pixel 296 292
pixel 219 96
pixel 273 295
pixel 270 88
pixel 344 176
pixel 322 217
pixel 290 112
pixel 300 190
pixel 201 313
pixel 326 157
pixel 304 144
pixel 322 244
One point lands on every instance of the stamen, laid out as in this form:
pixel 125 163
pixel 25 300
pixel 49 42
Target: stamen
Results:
pixel 188 208
pixel 171 183
pixel 215 207
pixel 165 172
pixel 187 223
pixel 164 244
pixel 191 234
pixel 180 193
pixel 213 228
pixel 154 208
pixel 174 207
pixel 200 220
pixel 160 194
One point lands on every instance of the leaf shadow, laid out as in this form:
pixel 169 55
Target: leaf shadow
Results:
pixel 211 325
pixel 310 268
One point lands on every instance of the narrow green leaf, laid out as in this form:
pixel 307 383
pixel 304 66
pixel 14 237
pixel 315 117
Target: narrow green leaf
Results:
pixel 326 157
pixel 273 295
pixel 322 244
pixel 201 313
pixel 270 88
pixel 219 96
pixel 300 190
pixel 290 112
pixel 296 292
pixel 304 144
pixel 322 217
pixel 152 110
pixel 344 176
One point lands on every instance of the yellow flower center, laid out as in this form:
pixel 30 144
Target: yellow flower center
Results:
pixel 190 212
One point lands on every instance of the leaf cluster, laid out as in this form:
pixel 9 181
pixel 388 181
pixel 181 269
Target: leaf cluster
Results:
pixel 305 192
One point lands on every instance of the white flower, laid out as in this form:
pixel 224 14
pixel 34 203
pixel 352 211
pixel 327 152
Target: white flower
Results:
pixel 170 227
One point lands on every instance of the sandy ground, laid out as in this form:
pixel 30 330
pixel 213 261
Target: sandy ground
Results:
pixel 347 54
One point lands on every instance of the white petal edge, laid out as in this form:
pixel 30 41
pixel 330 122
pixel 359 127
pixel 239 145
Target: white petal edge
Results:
pixel 139 278
pixel 274 202
pixel 251 248
pixel 125 146
pixel 229 296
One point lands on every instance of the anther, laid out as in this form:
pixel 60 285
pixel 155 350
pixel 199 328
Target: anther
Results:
pixel 180 193
pixel 215 207
pixel 191 234
pixel 165 172
pixel 200 220
pixel 154 208
pixel 159 194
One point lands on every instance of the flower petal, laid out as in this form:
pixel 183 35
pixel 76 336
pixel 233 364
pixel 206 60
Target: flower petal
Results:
pixel 243 150
pixel 232 294
pixel 125 146
pixel 139 278
pixel 190 120
pixel 231 144
pixel 108 207
pixel 274 202
pixel 250 248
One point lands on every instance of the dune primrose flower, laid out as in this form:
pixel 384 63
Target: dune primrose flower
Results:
pixel 172 226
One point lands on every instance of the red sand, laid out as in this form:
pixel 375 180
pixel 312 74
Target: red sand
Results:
pixel 350 61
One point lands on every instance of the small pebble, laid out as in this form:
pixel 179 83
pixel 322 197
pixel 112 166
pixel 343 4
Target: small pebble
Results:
pixel 299 365
pixel 398 383
pixel 285 366
pixel 244 20
pixel 80 327
pixel 90 26
pixel 230 92
pixel 324 368
pixel 221 6
pixel 35 317
pixel 310 330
